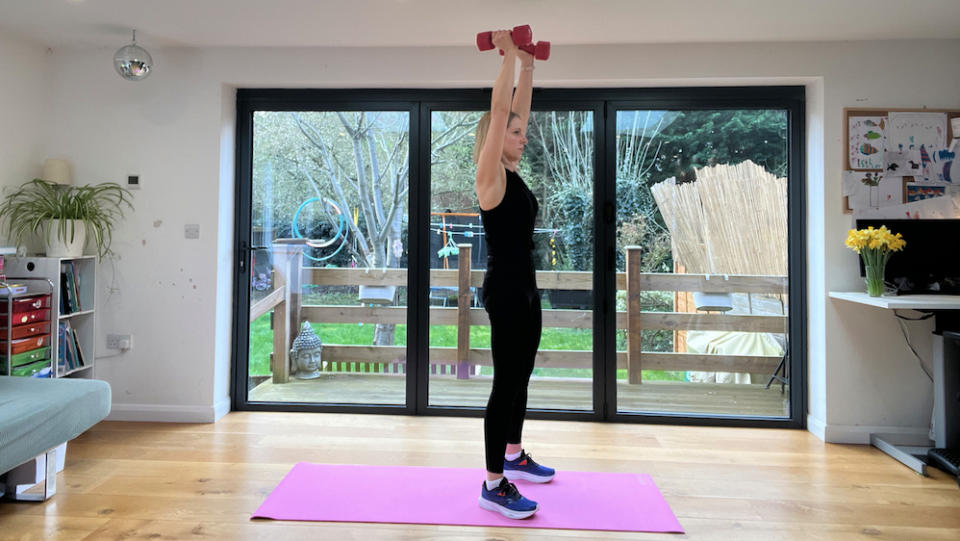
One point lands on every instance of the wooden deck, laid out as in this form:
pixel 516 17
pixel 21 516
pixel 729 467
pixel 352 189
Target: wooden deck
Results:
pixel 545 393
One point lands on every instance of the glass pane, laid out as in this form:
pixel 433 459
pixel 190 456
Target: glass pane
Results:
pixel 558 168
pixel 702 193
pixel 328 296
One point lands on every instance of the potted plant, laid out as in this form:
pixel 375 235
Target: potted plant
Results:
pixel 65 214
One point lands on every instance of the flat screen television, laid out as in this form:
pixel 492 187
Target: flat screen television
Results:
pixel 930 261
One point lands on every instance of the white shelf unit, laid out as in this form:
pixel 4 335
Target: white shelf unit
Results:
pixel 83 321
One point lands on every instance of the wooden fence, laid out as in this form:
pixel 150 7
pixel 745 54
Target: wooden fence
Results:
pixel 288 312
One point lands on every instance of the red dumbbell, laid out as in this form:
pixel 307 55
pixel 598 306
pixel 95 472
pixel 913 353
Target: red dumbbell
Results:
pixel 540 51
pixel 521 35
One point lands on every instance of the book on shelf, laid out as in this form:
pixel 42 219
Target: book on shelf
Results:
pixel 71 350
pixel 76 284
pixel 64 302
pixel 64 359
pixel 61 348
pixel 69 292
pixel 76 344
pixel 69 356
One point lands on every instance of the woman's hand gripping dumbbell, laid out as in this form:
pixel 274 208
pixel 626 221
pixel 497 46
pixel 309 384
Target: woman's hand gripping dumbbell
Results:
pixel 521 35
pixel 540 50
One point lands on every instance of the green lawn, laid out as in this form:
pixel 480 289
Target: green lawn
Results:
pixel 261 345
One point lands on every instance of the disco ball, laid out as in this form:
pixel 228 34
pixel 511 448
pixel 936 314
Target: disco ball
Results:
pixel 133 62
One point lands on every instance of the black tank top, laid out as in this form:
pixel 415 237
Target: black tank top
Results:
pixel 509 233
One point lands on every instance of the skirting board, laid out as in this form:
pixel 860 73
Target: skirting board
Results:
pixel 158 413
pixel 816 427
pixel 857 434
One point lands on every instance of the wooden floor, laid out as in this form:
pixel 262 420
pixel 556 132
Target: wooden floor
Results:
pixel 545 393
pixel 202 481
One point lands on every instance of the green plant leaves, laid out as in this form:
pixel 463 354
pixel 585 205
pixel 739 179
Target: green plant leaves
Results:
pixel 100 207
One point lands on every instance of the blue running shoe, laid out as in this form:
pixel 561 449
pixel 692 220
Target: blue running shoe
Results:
pixel 524 467
pixel 506 500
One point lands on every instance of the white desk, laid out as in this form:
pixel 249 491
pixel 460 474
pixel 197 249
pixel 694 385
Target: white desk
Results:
pixel 945 376
pixel 902 302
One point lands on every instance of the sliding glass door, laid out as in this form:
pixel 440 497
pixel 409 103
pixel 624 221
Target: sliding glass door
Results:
pixel 558 167
pixel 668 251
pixel 329 244
pixel 702 240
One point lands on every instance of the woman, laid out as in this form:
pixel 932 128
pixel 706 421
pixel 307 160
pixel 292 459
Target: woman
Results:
pixel 510 294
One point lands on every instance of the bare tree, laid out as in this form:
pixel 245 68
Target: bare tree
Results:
pixel 566 140
pixel 365 165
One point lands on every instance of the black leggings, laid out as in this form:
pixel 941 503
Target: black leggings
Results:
pixel 515 326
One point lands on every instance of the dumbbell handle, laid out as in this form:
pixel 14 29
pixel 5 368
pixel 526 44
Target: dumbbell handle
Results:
pixel 540 51
pixel 521 35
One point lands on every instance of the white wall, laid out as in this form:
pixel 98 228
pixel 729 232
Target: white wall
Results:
pixel 174 130
pixel 24 85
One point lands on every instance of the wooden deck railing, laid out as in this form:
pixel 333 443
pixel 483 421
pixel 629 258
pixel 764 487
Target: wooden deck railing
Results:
pixel 288 312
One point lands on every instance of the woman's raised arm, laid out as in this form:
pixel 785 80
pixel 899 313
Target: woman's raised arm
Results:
pixel 524 92
pixel 491 180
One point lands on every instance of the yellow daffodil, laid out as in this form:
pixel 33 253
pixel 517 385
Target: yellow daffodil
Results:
pixel 875 247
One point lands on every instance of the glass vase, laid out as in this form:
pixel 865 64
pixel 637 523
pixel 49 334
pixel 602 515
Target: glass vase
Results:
pixel 874 279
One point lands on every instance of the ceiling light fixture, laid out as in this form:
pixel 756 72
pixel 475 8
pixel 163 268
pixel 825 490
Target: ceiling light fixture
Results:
pixel 133 62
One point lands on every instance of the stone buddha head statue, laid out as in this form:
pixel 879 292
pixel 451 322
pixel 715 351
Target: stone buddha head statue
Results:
pixel 305 354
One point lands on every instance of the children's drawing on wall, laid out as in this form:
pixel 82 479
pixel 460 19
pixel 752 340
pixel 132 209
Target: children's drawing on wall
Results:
pixel 922 132
pixel 941 165
pixel 867 189
pixel 902 164
pixel 932 208
pixel 919 192
pixel 867 135
pixel 890 192
pixel 854 181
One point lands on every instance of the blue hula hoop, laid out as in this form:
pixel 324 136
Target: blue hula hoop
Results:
pixel 342 222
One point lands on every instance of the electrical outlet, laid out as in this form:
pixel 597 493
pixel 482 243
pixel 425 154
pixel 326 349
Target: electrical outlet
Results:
pixel 120 341
pixel 191 231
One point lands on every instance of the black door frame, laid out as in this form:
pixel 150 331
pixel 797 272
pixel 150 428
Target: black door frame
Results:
pixel 604 103
pixel 249 101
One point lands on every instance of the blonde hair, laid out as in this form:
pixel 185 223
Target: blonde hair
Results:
pixel 483 125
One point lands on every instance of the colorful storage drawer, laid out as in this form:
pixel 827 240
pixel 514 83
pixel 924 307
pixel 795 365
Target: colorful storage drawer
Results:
pixel 25 344
pixel 30 329
pixel 26 304
pixel 32 369
pixel 28 356
pixel 26 317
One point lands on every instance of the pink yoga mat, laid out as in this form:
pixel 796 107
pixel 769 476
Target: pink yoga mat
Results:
pixel 417 495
